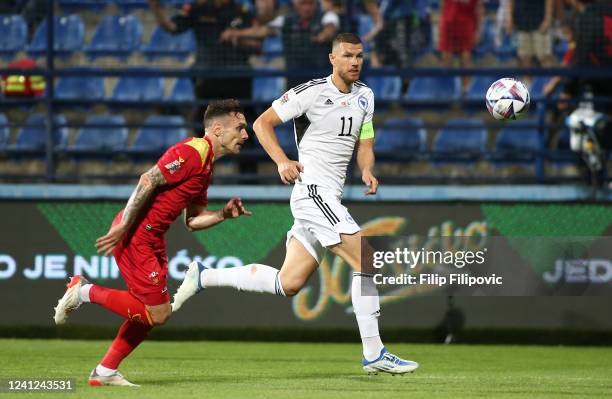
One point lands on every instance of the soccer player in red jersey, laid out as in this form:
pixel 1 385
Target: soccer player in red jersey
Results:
pixel 178 181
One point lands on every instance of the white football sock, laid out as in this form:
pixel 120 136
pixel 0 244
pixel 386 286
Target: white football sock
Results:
pixel 252 278
pixel 104 371
pixel 84 292
pixel 366 306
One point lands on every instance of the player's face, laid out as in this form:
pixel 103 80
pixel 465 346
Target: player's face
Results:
pixel 234 133
pixel 347 60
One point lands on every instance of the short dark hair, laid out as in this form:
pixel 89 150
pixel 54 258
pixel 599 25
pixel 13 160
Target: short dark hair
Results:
pixel 346 38
pixel 219 108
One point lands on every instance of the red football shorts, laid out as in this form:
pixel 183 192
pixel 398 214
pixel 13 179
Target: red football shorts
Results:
pixel 143 263
pixel 457 36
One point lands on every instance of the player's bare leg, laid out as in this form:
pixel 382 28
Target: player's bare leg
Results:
pixel 366 306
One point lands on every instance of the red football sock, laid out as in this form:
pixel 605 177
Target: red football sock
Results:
pixel 122 303
pixel 130 335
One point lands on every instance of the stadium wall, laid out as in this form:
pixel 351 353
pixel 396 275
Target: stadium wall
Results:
pixel 49 233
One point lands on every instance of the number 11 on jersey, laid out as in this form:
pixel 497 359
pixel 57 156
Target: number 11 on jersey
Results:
pixel 350 128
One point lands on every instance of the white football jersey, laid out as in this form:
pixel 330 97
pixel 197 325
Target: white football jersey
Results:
pixel 327 125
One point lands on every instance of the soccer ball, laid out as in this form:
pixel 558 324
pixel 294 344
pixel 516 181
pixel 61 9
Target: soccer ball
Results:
pixel 508 98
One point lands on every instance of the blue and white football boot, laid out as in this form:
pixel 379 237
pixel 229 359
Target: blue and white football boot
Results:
pixel 190 286
pixel 389 363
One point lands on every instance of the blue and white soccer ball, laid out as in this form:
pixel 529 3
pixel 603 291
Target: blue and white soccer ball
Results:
pixel 508 98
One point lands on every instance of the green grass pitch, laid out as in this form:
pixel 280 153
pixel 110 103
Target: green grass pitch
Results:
pixel 173 370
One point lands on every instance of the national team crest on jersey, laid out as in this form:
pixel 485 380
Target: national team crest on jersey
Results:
pixel 363 103
pixel 174 165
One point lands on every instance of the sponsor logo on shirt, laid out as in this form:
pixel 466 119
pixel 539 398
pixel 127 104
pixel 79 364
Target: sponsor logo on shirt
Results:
pixel 329 102
pixel 284 98
pixel 345 103
pixel 174 165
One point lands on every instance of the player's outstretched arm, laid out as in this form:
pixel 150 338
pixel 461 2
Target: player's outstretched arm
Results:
pixel 288 170
pixel 197 217
pixel 365 163
pixel 148 183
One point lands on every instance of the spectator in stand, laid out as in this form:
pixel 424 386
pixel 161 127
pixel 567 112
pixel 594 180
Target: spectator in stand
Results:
pixel 392 34
pixel 553 83
pixel 348 16
pixel 533 20
pixel 307 33
pixel 460 29
pixel 208 19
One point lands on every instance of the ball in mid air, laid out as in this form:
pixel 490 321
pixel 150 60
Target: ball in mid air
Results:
pixel 508 98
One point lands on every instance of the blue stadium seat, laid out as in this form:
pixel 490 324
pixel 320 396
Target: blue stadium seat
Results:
pixel 268 89
pixel 157 139
pixel 164 44
pixel 477 88
pixel 519 140
pixel 68 34
pixel 387 88
pixel 401 134
pixel 128 5
pixel 93 5
pixel 139 89
pixel 286 137
pixel 80 88
pixel 116 36
pixel 461 138
pixel 5 132
pixel 34 138
pixel 272 47
pixel 536 89
pixel 434 89
pixel 182 90
pixel 112 137
pixel 13 35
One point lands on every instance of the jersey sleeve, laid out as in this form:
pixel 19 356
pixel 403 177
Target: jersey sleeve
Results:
pixel 291 105
pixel 179 163
pixel 367 127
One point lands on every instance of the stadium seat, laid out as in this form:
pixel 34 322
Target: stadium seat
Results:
pixel 112 137
pixel 286 137
pixel 386 88
pixel 68 34
pixel 13 35
pixel 268 89
pixel 116 36
pixel 139 89
pixel 129 5
pixel 536 89
pixel 272 47
pixel 461 138
pixel 93 5
pixel 519 141
pixel 5 132
pixel 434 89
pixel 182 90
pixel 155 139
pixel 164 44
pixel 401 134
pixel 34 138
pixel 80 88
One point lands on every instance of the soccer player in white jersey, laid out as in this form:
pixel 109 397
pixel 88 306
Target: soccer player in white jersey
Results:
pixel 332 116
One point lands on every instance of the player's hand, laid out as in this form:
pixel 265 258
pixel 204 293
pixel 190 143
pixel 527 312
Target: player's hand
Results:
pixel 371 182
pixel 108 242
pixel 289 171
pixel 234 209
